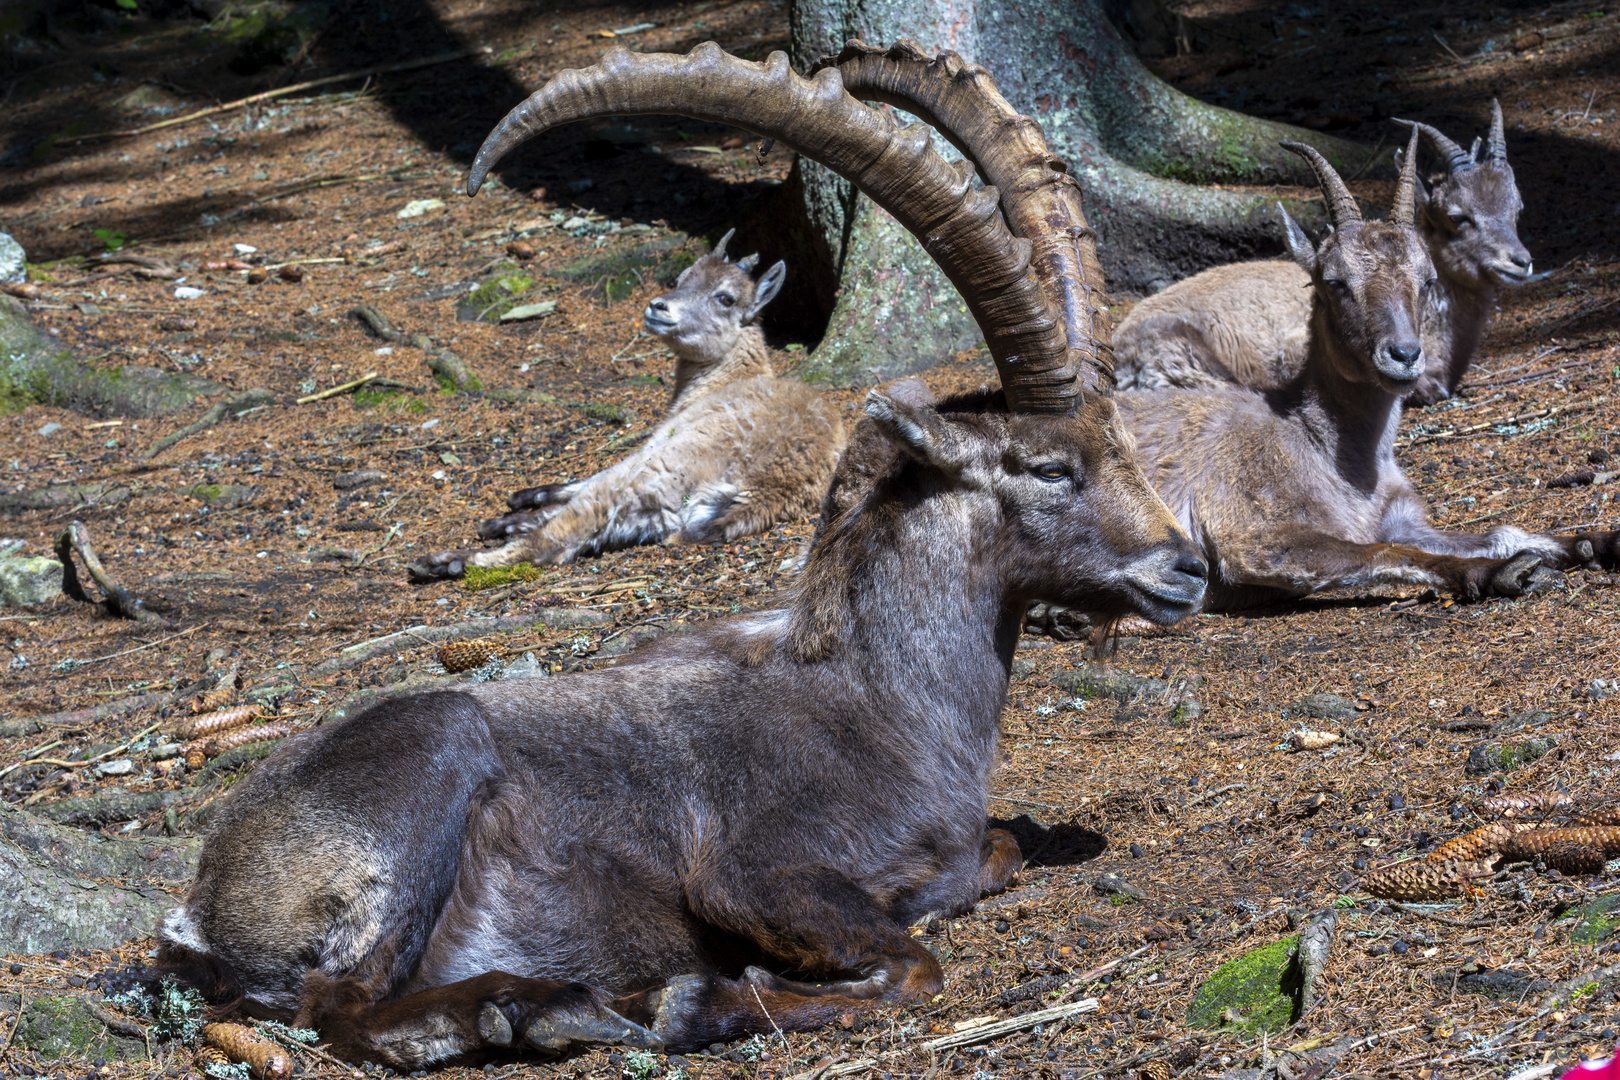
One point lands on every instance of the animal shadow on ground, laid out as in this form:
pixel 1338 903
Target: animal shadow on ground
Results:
pixel 1064 844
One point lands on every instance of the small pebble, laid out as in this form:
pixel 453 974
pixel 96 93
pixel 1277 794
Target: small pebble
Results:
pixel 258 276
pixel 1397 803
pixel 291 273
pixel 188 292
pixel 1400 946
pixel 1136 851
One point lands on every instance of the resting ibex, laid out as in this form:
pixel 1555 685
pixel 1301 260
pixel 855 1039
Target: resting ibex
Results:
pixel 619 855
pixel 1297 489
pixel 1247 323
pixel 737 450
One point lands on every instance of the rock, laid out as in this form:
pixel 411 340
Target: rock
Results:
pixel 1174 703
pixel 59 1027
pixel 106 807
pixel 417 207
pixel 10 729
pixel 44 908
pixel 1114 885
pixel 91 855
pixel 27 582
pixel 1485 758
pixel 13 260
pixel 1596 921
pixel 1599 689
pixel 1495 983
pixel 224 496
pixel 121 767
pixel 1258 991
pixel 1329 707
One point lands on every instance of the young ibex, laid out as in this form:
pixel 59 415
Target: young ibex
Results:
pixel 1296 489
pixel 615 856
pixel 737 450
pixel 1247 323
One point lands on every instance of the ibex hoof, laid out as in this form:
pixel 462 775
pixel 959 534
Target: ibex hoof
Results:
pixel 562 1031
pixel 493 1026
pixel 434 567
pixel 1515 579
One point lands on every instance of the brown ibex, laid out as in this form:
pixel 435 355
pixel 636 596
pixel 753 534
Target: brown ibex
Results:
pixel 622 855
pixel 737 450
pixel 1297 489
pixel 1247 323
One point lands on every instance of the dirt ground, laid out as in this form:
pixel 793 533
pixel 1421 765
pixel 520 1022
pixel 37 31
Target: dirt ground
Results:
pixel 1162 843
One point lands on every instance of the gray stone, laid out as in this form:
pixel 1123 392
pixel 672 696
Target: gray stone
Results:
pixel 13 260
pixel 51 428
pixel 1602 688
pixel 121 767
pixel 1493 757
pixel 1325 707
pixel 26 582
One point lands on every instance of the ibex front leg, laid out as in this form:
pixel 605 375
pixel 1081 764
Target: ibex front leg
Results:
pixel 1302 562
pixel 813 920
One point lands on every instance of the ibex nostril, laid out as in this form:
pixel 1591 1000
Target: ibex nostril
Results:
pixel 1407 353
pixel 1192 566
pixel 1521 259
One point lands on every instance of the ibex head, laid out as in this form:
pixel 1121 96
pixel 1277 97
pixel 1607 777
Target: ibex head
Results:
pixel 1371 278
pixel 712 301
pixel 1474 207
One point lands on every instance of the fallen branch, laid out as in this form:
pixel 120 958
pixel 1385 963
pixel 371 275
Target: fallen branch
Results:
pixel 119 601
pixel 233 404
pixel 268 95
pixel 322 395
pixel 1485 425
pixel 119 1024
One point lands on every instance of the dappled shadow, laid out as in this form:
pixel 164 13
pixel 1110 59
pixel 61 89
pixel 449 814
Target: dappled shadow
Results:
pixel 1053 845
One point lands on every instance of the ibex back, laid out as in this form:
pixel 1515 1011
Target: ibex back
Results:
pixel 626 855
pixel 1248 323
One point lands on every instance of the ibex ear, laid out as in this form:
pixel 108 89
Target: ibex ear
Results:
pixel 1299 245
pixel 918 430
pixel 769 284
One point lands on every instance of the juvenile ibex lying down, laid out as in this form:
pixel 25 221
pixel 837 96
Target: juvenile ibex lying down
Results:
pixel 1296 489
pixel 620 855
pixel 1247 323
pixel 737 450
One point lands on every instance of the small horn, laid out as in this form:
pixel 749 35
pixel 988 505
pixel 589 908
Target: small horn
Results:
pixel 1453 155
pixel 719 251
pixel 1404 212
pixel 1495 145
pixel 1342 208
pixel 747 262
pixel 1473 151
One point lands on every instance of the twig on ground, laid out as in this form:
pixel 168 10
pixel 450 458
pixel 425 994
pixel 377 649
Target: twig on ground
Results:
pixel 322 395
pixel 120 1024
pixel 268 95
pixel 119 601
pixel 233 405
pixel 1211 794
pixel 22 1001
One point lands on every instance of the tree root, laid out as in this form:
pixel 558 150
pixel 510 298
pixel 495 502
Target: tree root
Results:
pixel 119 602
pixel 233 405
pixel 450 370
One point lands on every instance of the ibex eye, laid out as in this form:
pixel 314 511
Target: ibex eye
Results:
pixel 727 299
pixel 1460 219
pixel 1052 471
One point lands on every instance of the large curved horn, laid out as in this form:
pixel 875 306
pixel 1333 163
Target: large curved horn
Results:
pixel 1495 144
pixel 1453 155
pixel 1342 208
pixel 960 227
pixel 1404 210
pixel 1039 198
pixel 719 251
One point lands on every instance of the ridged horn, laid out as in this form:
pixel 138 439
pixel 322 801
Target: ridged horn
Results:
pixel 1342 208
pixel 1404 210
pixel 719 251
pixel 1454 156
pixel 1495 144
pixel 1039 198
pixel 962 229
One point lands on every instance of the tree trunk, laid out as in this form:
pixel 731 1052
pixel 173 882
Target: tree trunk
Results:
pixel 33 369
pixel 1138 147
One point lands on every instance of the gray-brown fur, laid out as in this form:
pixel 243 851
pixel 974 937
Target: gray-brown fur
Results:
pixel 1296 489
pixel 738 449
pixel 1247 323
pixel 435 879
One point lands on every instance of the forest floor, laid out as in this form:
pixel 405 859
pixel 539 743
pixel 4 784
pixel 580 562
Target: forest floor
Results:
pixel 1162 841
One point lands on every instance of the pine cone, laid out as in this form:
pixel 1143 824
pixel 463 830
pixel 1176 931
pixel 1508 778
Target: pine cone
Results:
pixel 1535 802
pixel 1571 857
pixel 1603 815
pixel 1602 840
pixel 467 655
pixel 1418 880
pixel 278 729
pixel 1155 1070
pixel 1313 740
pixel 1480 844
pixel 195 758
pixel 265 1059
pixel 213 723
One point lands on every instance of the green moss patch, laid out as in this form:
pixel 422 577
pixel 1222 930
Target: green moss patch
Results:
pixel 58 1027
pixel 1258 991
pixel 1596 921
pixel 493 577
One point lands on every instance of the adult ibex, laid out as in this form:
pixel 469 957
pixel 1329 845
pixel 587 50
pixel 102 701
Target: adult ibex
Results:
pixel 1248 323
pixel 737 450
pixel 1297 489
pixel 617 856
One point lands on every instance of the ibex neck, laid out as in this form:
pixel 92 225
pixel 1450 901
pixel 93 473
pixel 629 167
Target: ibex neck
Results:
pixel 696 375
pixel 1354 421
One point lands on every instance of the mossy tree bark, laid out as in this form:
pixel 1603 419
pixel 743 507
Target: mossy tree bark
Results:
pixel 34 369
pixel 1140 149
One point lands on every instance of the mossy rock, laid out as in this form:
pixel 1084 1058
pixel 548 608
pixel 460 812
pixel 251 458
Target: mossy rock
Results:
pixel 1506 757
pixel 1596 921
pixel 479 578
pixel 1258 991
pixel 1330 707
pixel 224 496
pixel 654 258
pixel 1095 682
pixel 59 1027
